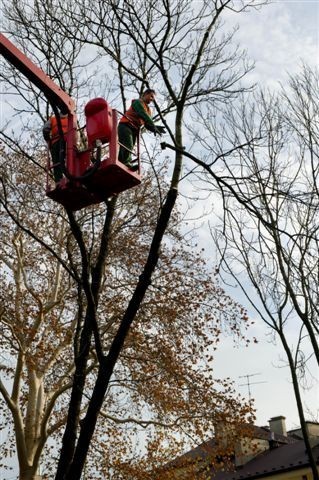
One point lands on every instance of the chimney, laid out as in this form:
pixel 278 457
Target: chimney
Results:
pixel 278 425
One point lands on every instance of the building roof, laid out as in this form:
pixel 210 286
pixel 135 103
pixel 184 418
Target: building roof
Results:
pixel 264 433
pixel 284 458
pixel 284 454
pixel 206 449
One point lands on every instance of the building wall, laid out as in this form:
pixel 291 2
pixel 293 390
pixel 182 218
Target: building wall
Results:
pixel 300 474
pixel 313 431
pixel 248 448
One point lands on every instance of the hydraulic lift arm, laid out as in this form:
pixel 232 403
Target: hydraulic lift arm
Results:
pixel 54 94
pixel 57 98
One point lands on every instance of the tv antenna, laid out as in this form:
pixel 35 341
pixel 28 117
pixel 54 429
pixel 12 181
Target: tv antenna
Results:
pixel 249 383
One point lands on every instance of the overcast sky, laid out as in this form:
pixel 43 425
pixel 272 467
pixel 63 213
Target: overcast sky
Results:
pixel 278 38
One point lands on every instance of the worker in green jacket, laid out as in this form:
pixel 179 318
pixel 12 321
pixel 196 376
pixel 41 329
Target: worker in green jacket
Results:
pixel 136 117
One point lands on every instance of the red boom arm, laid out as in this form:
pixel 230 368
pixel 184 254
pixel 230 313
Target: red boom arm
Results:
pixel 52 92
pixel 55 95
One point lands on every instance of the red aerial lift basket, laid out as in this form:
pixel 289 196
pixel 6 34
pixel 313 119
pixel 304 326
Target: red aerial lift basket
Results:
pixel 111 177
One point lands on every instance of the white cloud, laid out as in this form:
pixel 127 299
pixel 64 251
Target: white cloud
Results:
pixel 279 37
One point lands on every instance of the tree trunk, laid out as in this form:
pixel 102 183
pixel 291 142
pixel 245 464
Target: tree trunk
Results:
pixel 30 474
pixel 312 461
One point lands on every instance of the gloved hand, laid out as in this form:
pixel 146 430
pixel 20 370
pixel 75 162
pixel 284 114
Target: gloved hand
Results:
pixel 156 129
pixel 159 130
